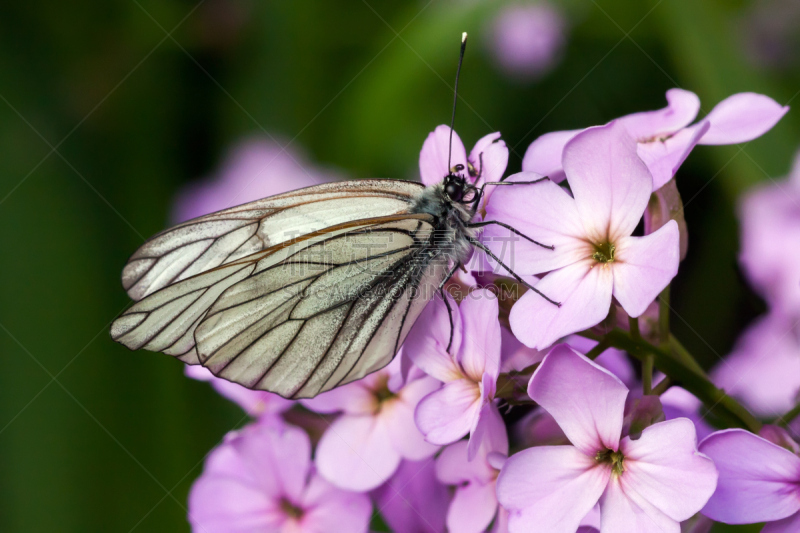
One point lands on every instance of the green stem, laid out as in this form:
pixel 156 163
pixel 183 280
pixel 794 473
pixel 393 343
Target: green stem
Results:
pixel 647 362
pixel 595 352
pixel 787 419
pixel 647 374
pixel 662 386
pixel 663 318
pixel 513 386
pixel 680 371
pixel 634 326
pixel 684 356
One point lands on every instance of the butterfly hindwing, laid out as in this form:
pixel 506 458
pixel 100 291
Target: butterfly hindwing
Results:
pixel 334 319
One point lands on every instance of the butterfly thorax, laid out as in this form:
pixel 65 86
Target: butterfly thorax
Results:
pixel 451 218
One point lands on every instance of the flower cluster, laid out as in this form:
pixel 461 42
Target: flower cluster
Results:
pixel 562 409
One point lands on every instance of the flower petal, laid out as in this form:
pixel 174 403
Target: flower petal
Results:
pixel 622 510
pixel 644 266
pixel 611 359
pixel 742 117
pixel 453 467
pixel 449 413
pixel 492 150
pixel 480 345
pixel 758 481
pixel 664 157
pixel 587 401
pixel 610 182
pixel 544 212
pixel 585 297
pixel 247 475
pixel 771 261
pixel 550 488
pixel 764 368
pixel 543 156
pixel 279 456
pixel 413 500
pixel 472 508
pixel 488 434
pixel 353 398
pixel 356 453
pixel 790 524
pixel 330 509
pixel 433 157
pixel 221 505
pixel 664 467
pixel 426 344
pixel 681 110
pixel 398 415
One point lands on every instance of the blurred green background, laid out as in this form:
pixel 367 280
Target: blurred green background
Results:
pixel 109 107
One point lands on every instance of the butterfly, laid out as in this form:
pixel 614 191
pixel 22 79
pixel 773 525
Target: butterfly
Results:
pixel 263 297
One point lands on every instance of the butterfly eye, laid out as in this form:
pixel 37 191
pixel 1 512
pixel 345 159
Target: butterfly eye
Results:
pixel 454 188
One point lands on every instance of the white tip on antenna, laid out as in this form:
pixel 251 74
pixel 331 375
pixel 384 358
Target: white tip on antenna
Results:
pixel 464 37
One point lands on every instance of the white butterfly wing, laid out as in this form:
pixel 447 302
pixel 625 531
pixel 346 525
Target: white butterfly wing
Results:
pixel 209 241
pixel 301 317
pixel 302 326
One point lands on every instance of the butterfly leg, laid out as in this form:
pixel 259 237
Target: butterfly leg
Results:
pixel 498 223
pixel 478 244
pixel 479 196
pixel 449 275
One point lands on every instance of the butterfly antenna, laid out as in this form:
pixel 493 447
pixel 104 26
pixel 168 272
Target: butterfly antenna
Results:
pixel 455 98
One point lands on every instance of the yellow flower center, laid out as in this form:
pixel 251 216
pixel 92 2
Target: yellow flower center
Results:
pixel 291 510
pixel 382 394
pixel 604 252
pixel 615 459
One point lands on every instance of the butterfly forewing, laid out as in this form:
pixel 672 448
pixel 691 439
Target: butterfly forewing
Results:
pixel 207 242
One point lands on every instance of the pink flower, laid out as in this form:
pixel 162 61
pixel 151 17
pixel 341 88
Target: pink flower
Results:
pixel 254 402
pixel 474 503
pixel 261 479
pixel 254 169
pixel 413 500
pixel 770 218
pixel 645 485
pixel 469 371
pixel 363 447
pixel 595 257
pixel 486 162
pixel 527 40
pixel 764 368
pixel 665 137
pixel 758 481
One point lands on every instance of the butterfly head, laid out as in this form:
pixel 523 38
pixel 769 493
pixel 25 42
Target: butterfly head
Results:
pixel 458 189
